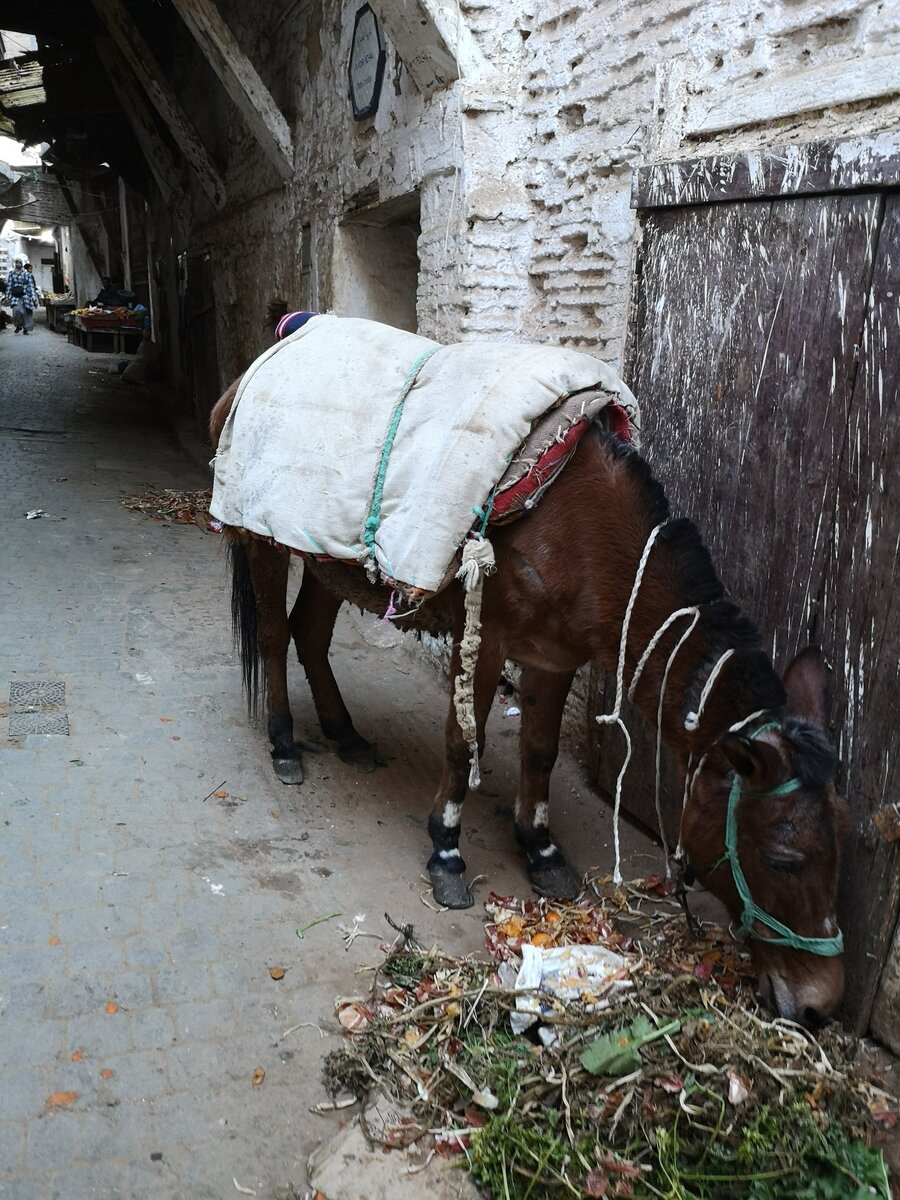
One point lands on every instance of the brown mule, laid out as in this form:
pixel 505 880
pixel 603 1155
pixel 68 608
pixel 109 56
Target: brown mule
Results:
pixel 566 576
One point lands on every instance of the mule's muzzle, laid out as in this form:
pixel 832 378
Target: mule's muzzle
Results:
pixel 811 1004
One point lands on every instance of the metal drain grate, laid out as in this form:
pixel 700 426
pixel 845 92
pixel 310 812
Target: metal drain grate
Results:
pixel 24 723
pixel 36 693
pixel 35 707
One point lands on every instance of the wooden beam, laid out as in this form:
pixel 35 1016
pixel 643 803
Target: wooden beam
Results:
pixel 828 86
pixel 240 79
pixel 131 45
pixel 434 41
pixel 86 229
pixel 159 160
pixel 125 235
pixel 845 166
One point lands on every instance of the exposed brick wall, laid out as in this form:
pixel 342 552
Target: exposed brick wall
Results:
pixel 591 96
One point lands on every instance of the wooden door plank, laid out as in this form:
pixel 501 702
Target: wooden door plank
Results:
pixel 862 621
pixel 853 164
pixel 743 356
pixel 241 80
pixel 134 49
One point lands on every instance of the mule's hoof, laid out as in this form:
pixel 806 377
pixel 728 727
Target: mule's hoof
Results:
pixel 360 755
pixel 288 770
pixel 450 891
pixel 560 881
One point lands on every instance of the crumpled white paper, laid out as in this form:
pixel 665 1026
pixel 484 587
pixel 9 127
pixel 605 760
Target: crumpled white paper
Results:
pixel 565 973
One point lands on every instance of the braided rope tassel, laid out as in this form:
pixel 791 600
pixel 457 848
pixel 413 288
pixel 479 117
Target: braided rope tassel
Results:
pixel 477 561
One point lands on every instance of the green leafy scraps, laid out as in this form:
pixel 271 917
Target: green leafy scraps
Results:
pixel 619 1052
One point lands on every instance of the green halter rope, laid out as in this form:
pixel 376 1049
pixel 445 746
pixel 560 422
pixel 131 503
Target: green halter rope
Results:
pixel 828 947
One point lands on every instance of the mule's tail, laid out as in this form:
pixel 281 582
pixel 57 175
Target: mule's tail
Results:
pixel 244 620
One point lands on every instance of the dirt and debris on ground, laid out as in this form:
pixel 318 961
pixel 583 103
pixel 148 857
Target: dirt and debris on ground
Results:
pixel 601 1049
pixel 180 507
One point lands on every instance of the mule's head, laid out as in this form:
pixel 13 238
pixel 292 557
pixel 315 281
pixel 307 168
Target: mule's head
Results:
pixel 763 829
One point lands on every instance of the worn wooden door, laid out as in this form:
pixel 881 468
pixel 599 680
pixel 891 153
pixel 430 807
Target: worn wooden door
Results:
pixel 761 352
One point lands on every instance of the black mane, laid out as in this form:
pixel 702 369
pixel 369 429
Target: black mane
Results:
pixel 753 681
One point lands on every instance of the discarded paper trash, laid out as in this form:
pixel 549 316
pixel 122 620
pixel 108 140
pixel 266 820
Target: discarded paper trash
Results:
pixel 548 977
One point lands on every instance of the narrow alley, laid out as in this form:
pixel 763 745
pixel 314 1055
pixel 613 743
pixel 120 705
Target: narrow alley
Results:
pixel 153 869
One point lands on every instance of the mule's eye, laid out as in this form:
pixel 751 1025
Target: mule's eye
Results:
pixel 787 866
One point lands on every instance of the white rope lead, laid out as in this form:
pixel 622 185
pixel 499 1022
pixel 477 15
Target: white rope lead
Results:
pixel 659 719
pixel 691 721
pixel 610 718
pixel 694 612
pixel 615 717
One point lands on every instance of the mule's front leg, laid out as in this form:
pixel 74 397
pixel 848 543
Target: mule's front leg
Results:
pixel 269 573
pixel 542 697
pixel 446 867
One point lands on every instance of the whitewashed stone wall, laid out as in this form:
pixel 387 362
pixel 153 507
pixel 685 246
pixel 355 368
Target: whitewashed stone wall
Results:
pixel 523 166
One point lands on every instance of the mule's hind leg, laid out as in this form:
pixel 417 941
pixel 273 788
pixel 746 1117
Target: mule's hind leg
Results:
pixel 269 574
pixel 312 624
pixel 542 697
pixel 446 867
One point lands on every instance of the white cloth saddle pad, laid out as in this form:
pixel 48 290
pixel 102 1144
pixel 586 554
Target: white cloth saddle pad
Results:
pixel 318 443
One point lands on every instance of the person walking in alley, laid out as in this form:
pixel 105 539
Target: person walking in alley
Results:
pixel 39 295
pixel 21 295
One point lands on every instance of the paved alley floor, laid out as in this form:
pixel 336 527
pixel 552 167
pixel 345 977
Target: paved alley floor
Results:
pixel 152 870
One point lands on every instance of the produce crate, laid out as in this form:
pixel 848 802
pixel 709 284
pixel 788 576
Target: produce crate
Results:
pixel 104 320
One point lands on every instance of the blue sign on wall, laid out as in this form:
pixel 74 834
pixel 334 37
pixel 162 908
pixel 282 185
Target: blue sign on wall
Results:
pixel 367 59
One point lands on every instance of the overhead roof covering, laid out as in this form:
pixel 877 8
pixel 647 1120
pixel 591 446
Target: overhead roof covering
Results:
pixel 22 82
pixel 35 197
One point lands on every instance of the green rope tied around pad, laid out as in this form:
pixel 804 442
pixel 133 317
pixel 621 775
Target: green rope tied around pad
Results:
pixel 373 520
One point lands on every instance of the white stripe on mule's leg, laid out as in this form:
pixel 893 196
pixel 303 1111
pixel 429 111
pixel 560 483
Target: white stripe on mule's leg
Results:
pixel 541 813
pixel 548 851
pixel 451 814
pixel 448 854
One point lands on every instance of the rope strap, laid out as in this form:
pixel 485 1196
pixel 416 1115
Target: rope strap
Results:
pixel 373 520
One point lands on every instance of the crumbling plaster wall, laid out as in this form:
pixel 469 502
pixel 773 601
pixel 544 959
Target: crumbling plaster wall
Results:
pixel 460 148
pixel 523 167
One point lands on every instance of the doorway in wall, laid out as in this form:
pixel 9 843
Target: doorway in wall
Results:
pixel 200 369
pixel 375 271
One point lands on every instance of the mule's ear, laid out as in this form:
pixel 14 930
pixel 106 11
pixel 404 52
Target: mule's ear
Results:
pixel 806 683
pixel 757 763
